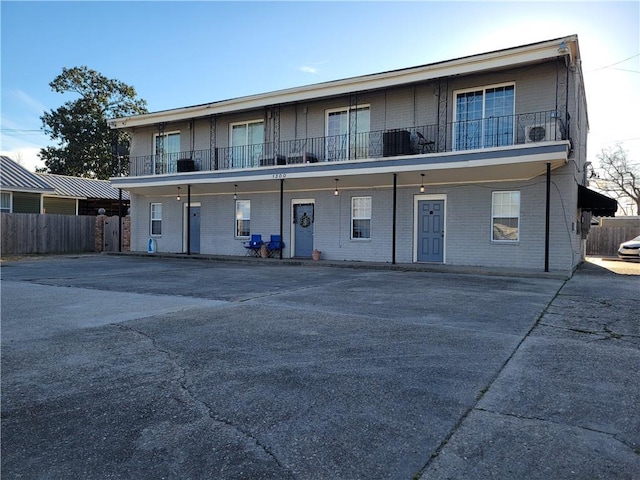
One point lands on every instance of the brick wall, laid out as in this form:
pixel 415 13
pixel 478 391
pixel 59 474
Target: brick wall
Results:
pixel 99 235
pixel 100 228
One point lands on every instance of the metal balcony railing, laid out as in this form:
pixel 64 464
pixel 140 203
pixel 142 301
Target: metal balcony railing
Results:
pixel 464 135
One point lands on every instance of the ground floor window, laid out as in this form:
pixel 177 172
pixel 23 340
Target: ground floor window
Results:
pixel 243 218
pixel 505 214
pixel 361 217
pixel 5 205
pixel 156 219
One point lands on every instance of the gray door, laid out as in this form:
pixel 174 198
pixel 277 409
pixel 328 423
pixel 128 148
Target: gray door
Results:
pixel 111 235
pixel 303 218
pixel 195 230
pixel 430 231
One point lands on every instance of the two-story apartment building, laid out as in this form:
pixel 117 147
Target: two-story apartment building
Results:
pixel 474 161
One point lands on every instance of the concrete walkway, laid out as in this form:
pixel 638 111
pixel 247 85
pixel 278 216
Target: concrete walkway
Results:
pixel 133 367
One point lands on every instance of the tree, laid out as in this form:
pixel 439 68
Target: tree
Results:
pixel 87 147
pixel 620 177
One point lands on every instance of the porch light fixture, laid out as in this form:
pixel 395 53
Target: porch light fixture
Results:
pixel 235 191
pixel 422 184
pixel 178 196
pixel 563 49
pixel 335 192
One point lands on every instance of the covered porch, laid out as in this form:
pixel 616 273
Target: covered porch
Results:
pixel 275 188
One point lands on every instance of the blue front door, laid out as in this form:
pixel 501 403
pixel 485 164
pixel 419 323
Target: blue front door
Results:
pixel 430 241
pixel 194 232
pixel 303 229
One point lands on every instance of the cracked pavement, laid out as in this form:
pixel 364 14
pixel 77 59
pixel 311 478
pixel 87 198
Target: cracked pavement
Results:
pixel 125 367
pixel 566 405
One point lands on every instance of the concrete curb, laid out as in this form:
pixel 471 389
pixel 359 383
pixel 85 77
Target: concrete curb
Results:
pixel 403 267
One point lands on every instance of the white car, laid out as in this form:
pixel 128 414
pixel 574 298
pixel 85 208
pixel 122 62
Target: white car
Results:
pixel 630 250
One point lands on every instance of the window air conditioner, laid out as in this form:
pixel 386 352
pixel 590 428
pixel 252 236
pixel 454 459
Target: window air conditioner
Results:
pixel 543 132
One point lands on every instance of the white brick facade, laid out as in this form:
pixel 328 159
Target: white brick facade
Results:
pixel 467 224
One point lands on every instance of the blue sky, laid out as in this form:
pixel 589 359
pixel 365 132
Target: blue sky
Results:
pixel 185 53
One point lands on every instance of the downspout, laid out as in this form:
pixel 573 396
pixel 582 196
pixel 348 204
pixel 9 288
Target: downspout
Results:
pixel 546 225
pixel 188 219
pixel 567 117
pixel 281 211
pixel 393 228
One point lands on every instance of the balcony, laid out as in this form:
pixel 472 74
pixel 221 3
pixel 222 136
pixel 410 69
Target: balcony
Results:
pixel 423 140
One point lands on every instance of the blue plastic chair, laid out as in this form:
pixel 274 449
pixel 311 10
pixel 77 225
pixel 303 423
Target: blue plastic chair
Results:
pixel 253 246
pixel 275 245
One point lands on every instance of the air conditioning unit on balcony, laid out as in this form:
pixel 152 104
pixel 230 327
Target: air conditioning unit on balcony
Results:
pixel 186 165
pixel 543 132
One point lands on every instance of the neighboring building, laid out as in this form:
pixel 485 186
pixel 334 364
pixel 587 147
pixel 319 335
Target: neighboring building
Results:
pixel 82 196
pixel 453 162
pixel 21 191
pixel 25 192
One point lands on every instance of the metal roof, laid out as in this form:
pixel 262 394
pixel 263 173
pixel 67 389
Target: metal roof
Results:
pixel 78 187
pixel 17 178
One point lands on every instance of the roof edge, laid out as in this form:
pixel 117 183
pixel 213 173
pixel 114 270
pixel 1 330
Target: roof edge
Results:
pixel 512 56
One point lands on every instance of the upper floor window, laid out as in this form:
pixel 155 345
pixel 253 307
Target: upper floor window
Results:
pixel 361 217
pixel 5 205
pixel 167 151
pixel 247 139
pixel 484 117
pixel 156 219
pixel 505 216
pixel 243 218
pixel 348 133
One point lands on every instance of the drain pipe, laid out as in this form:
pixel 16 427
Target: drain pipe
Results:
pixel 393 229
pixel 546 224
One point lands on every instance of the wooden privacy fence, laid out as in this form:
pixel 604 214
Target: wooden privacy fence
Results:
pixel 606 240
pixel 24 233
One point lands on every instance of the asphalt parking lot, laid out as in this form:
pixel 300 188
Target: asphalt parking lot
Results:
pixel 136 367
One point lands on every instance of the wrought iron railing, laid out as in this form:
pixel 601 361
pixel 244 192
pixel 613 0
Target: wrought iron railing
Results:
pixel 464 135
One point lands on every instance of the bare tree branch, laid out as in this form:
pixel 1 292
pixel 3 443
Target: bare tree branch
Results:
pixel 620 176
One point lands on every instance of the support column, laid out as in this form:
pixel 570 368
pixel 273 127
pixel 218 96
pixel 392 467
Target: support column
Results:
pixel 276 134
pixel 443 95
pixel 393 228
pixel 99 232
pixel 546 225
pixel 353 126
pixel 213 158
pixel 188 219
pixel 281 212
pixel 159 153
pixel 119 220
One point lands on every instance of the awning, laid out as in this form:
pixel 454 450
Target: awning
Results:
pixel 596 203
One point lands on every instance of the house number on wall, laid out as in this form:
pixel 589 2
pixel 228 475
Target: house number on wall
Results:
pixel 279 175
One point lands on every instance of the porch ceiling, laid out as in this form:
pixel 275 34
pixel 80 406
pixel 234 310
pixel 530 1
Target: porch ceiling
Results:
pixel 313 177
